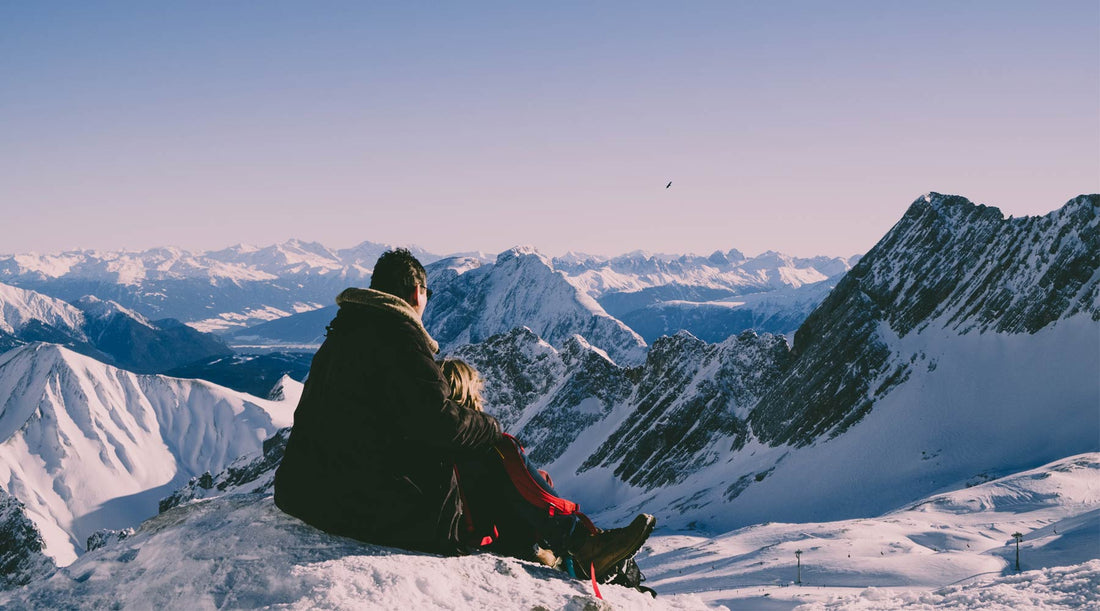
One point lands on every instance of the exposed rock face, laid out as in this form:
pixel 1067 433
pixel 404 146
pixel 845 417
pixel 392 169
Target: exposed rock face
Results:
pixel 107 536
pixel 666 412
pixel 247 474
pixel 689 394
pixel 519 369
pixel 948 263
pixel 21 556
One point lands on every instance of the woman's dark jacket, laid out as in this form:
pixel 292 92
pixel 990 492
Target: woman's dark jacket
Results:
pixel 375 434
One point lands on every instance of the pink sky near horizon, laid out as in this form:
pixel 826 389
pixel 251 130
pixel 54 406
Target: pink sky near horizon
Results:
pixel 806 128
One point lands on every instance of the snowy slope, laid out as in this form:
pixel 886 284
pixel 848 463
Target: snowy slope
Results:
pixel 242 552
pixel 947 549
pixel 954 549
pixel 978 407
pixel 87 446
pixel 909 557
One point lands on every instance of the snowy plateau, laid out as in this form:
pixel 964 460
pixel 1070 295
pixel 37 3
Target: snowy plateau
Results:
pixel 879 447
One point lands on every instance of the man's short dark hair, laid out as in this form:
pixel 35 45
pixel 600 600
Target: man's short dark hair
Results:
pixel 397 272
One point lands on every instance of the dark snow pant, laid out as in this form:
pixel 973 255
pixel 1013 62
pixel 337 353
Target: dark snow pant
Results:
pixel 499 519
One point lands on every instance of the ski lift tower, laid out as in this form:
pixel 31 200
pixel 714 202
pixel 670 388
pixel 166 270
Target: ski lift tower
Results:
pixel 1018 537
pixel 798 558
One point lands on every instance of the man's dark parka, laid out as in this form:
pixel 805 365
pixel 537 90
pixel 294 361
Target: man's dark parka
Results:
pixel 375 434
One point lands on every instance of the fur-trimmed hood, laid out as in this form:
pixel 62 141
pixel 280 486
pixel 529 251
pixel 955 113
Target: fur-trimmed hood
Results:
pixel 389 303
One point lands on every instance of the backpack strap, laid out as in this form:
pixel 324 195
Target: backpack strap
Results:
pixel 511 455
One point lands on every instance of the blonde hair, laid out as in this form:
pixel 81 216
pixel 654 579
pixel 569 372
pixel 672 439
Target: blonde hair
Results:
pixel 465 383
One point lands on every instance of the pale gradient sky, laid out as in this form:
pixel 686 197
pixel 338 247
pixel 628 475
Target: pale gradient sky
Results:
pixel 803 127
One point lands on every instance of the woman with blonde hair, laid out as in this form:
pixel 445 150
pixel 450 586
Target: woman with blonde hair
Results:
pixel 465 383
pixel 514 531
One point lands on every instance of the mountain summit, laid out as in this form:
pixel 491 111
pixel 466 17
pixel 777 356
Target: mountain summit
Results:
pixel 523 289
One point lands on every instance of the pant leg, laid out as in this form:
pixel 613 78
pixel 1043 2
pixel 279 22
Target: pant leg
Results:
pixel 492 499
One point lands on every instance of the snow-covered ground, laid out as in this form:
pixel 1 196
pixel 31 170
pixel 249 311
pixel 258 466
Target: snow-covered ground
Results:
pixel 241 552
pixel 953 550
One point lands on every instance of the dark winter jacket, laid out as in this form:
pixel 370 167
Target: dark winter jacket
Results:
pixel 375 434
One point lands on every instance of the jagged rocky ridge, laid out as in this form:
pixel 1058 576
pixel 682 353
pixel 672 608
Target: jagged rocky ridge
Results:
pixel 700 424
pixel 947 264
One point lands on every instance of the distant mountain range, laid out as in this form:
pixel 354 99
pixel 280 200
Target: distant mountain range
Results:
pixel 212 291
pixel 235 291
pixel 102 329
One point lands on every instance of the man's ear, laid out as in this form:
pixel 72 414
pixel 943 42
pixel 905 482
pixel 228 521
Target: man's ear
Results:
pixel 414 297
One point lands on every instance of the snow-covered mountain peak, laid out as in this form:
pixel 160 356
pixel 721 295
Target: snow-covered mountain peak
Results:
pixel 19 307
pixel 292 256
pixel 287 390
pixel 577 348
pixel 95 307
pixel 458 265
pixel 573 257
pixel 523 289
pixel 523 252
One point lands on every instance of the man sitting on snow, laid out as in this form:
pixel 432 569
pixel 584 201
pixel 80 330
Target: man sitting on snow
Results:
pixel 376 435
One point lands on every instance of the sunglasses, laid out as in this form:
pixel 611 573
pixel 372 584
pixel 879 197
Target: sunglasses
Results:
pixel 427 293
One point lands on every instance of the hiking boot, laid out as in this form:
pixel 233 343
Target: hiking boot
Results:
pixel 604 550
